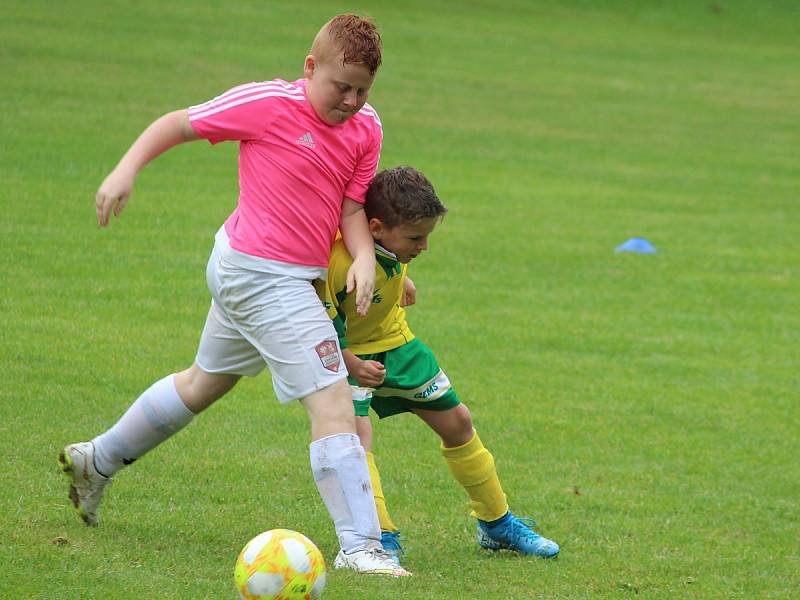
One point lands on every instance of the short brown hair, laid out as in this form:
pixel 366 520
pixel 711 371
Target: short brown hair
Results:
pixel 402 195
pixel 358 40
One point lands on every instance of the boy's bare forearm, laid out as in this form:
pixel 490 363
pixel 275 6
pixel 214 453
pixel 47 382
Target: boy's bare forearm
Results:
pixel 359 243
pixel 164 133
pixel 355 231
pixel 350 360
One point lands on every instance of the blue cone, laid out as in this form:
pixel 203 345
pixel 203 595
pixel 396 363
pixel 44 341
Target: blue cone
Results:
pixel 639 245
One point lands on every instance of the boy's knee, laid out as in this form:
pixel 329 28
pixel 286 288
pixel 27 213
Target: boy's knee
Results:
pixel 462 420
pixel 457 429
pixel 454 425
pixel 199 389
pixel 331 410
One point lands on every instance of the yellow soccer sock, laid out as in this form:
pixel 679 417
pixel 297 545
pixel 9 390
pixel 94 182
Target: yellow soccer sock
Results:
pixel 473 467
pixel 377 491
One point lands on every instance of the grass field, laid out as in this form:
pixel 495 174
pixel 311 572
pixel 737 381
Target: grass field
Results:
pixel 643 408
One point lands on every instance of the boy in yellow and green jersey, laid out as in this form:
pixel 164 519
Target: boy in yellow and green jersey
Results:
pixel 394 372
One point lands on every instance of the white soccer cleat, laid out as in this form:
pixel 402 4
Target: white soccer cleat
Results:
pixel 374 561
pixel 86 485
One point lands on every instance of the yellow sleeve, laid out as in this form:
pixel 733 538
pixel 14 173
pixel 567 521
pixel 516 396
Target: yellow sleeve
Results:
pixel 333 290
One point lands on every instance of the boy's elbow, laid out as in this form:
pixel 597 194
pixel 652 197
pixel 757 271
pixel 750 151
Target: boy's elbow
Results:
pixel 184 125
pixel 350 207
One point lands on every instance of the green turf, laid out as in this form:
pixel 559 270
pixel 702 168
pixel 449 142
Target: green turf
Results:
pixel 643 408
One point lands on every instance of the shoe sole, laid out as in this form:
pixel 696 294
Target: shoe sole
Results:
pixel 487 543
pixel 496 546
pixel 383 572
pixel 68 467
pixel 515 551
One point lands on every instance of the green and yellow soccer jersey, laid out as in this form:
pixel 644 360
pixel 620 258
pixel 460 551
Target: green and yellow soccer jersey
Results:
pixel 385 327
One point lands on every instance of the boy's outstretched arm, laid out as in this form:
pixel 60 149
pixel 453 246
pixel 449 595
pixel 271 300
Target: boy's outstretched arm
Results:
pixel 359 243
pixel 163 133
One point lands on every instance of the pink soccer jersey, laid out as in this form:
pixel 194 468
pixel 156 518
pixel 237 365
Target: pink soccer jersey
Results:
pixel 294 169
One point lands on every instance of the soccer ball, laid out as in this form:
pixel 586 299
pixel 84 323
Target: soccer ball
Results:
pixel 280 565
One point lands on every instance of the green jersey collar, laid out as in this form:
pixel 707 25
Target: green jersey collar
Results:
pixel 387 260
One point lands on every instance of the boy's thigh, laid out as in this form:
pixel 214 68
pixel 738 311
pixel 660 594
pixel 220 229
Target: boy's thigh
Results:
pixel 414 380
pixel 223 350
pixel 259 318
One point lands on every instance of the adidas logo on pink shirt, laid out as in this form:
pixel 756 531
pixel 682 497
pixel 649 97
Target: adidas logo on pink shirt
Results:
pixel 306 140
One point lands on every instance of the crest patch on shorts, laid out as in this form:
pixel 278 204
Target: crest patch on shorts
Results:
pixel 328 352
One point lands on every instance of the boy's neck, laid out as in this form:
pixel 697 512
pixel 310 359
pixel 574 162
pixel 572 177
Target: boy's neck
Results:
pixel 384 251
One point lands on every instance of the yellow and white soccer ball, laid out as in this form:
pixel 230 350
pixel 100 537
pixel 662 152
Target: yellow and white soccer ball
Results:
pixel 280 564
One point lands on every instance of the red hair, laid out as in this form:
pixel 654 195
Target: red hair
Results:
pixel 358 40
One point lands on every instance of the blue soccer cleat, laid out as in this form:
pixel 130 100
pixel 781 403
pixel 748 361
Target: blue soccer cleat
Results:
pixel 517 534
pixel 390 540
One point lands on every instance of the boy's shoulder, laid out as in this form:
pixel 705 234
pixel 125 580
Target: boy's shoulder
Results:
pixel 369 115
pixel 271 88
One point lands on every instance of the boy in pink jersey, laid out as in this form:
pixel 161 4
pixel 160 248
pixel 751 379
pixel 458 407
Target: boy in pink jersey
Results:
pixel 307 152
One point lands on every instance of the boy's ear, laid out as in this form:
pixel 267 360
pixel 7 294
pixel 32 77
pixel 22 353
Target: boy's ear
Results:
pixel 308 66
pixel 376 228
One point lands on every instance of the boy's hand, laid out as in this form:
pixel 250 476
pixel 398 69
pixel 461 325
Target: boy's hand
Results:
pixel 361 277
pixel 368 373
pixel 113 195
pixel 409 293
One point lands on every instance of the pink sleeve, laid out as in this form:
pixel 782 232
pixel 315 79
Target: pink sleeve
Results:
pixel 241 113
pixel 365 169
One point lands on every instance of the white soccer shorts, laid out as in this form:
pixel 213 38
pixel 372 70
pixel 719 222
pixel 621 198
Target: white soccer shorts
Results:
pixel 259 318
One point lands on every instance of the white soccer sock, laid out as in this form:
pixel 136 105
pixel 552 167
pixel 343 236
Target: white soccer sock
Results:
pixel 339 464
pixel 156 415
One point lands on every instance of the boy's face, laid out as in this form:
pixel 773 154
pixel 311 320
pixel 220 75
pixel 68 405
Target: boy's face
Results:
pixel 336 91
pixel 406 240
